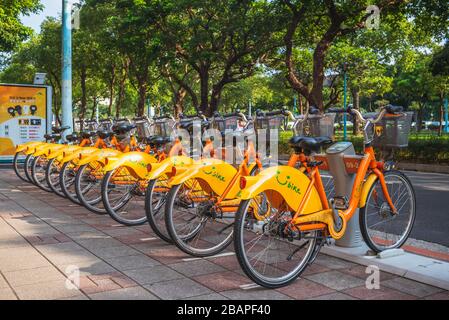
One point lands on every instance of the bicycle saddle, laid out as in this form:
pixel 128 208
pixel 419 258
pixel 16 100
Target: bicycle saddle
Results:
pixel 87 135
pixel 309 144
pixel 52 136
pixel 158 140
pixel 59 129
pixel 72 137
pixel 104 134
pixel 123 128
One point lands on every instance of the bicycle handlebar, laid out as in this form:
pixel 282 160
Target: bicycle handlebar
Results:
pixel 390 109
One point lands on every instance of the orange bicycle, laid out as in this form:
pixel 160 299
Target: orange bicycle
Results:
pixel 276 239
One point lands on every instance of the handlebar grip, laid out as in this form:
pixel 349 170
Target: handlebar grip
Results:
pixel 314 110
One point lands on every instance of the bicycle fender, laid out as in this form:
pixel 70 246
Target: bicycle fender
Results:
pixel 75 156
pixel 59 153
pixel 48 149
pixel 135 161
pixel 217 175
pixel 34 148
pixel 99 156
pixel 288 183
pixel 372 178
pixel 158 169
pixel 24 146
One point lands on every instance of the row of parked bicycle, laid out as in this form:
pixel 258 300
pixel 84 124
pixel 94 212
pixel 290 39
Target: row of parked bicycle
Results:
pixel 278 216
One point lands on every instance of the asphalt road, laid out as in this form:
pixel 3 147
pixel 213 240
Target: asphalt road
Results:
pixel 432 200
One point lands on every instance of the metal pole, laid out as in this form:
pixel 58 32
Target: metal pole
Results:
pixel 295 104
pixel 250 106
pixel 67 119
pixel 446 116
pixel 345 133
pixel 148 107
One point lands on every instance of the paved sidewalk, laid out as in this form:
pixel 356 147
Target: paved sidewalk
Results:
pixel 43 237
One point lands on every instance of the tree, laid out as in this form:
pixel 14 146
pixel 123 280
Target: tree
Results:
pixel 12 31
pixel 439 67
pixel 222 41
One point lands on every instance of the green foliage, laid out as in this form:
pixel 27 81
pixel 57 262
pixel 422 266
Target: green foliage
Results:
pixel 12 31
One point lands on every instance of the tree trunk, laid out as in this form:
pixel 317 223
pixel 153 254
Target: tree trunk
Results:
pixel 419 117
pixel 111 91
pixel 121 95
pixel 142 97
pixel 356 104
pixel 83 77
pixel 94 108
pixel 179 97
pixel 204 90
pixel 440 129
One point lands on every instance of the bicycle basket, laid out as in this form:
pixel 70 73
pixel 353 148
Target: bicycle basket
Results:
pixel 321 125
pixel 269 123
pixel 393 131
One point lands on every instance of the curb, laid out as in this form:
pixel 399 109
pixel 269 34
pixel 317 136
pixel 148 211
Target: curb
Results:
pixel 421 167
pixel 410 266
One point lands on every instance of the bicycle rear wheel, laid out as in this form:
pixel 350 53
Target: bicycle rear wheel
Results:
pixel 381 228
pixel 38 173
pixel 67 181
pixel 124 197
pixel 267 255
pixel 88 187
pixel 52 176
pixel 194 223
pixel 155 199
pixel 19 164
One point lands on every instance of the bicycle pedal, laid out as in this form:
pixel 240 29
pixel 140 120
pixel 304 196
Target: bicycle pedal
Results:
pixel 340 203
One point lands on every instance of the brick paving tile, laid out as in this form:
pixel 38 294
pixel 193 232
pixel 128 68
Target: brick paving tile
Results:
pixel 3 283
pixel 123 231
pixel 303 289
pixel 135 293
pixel 228 262
pixel 411 287
pixel 136 239
pixel 221 281
pixel 438 296
pixel 333 263
pixel 50 239
pixel 334 296
pixel 153 274
pixel 99 243
pixel 213 296
pixel 255 294
pixel 360 272
pixel 196 267
pixel 336 280
pixel 177 289
pixel 113 252
pixel 383 293
pixel 131 262
pixel 32 276
pixel 46 291
pixel 90 267
pixel 7 294
pixel 21 258
pixel 167 255
pixel 105 282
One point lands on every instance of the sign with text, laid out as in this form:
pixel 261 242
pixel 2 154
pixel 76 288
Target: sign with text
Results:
pixel 23 116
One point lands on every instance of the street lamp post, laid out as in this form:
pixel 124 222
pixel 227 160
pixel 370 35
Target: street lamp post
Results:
pixel 67 118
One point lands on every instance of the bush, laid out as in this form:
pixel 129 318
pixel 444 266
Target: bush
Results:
pixel 422 148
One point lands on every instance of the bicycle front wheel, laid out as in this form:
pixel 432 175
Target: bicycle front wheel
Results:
pixel 381 228
pixel 267 255
pixel 38 173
